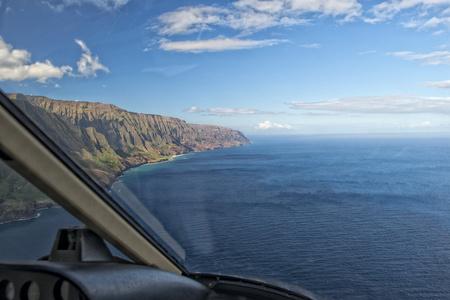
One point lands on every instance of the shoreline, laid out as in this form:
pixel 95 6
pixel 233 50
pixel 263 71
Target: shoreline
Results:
pixel 122 173
pixel 108 187
pixel 31 218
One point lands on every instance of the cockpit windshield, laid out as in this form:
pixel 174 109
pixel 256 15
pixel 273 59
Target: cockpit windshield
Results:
pixel 298 142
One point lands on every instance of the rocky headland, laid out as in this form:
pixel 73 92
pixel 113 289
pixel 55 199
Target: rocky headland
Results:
pixel 105 140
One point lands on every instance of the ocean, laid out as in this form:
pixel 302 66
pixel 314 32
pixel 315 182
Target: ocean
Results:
pixel 347 217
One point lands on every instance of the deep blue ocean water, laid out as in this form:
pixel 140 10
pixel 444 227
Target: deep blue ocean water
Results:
pixel 346 218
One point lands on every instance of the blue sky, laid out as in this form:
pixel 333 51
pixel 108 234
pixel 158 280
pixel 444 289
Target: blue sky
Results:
pixel 263 67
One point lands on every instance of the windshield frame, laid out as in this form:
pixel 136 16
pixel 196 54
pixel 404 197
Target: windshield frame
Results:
pixel 27 149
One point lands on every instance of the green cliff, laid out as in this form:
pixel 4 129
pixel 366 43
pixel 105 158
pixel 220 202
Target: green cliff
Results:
pixel 105 140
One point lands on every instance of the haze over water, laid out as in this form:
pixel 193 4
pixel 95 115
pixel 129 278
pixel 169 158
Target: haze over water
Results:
pixel 346 218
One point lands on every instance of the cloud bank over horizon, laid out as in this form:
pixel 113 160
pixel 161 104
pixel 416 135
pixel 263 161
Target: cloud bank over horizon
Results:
pixel 223 111
pixel 391 104
pixel 271 125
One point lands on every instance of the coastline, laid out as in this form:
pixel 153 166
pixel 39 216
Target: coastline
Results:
pixel 23 219
pixel 126 169
pixel 122 173
pixel 25 215
pixel 37 215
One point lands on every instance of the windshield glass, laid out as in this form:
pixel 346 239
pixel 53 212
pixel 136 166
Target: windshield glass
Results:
pixel 327 122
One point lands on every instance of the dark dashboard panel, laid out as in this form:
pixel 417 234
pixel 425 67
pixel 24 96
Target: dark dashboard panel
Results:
pixel 110 281
pixel 79 281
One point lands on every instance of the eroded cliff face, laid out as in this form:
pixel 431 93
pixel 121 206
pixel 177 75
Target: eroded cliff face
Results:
pixel 105 139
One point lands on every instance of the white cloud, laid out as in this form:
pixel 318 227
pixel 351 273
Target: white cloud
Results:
pixel 250 16
pixel 193 109
pixel 316 46
pixel 170 71
pixel 16 65
pixel 270 6
pixel 218 44
pixel 223 111
pixel 434 22
pixel 438 84
pixel 56 8
pixel 88 65
pixel 424 24
pixel 392 104
pixel 186 20
pixel 424 14
pixel 348 8
pixel 246 17
pixel 57 85
pixel 269 125
pixel 105 5
pixel 432 58
pixel 413 23
pixel 367 52
pixel 388 9
pixel 424 124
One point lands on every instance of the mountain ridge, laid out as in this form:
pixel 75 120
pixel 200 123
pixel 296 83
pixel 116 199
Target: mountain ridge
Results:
pixel 105 140
pixel 113 139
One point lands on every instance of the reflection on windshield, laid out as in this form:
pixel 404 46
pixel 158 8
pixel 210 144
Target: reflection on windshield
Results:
pixel 341 216
pixel 287 140
pixel 29 219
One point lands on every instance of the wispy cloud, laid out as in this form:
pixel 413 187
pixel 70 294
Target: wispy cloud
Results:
pixel 170 71
pixel 246 17
pixel 316 46
pixel 428 23
pixel 392 104
pixel 89 64
pixel 418 14
pixel 432 58
pixel 270 125
pixel 218 44
pixel 223 111
pixel 105 5
pixel 16 65
pixel 437 84
pixel 388 9
pixel 249 16
pixel 439 32
pixel 424 124
pixel 367 52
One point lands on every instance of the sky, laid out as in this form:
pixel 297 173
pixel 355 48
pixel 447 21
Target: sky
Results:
pixel 259 66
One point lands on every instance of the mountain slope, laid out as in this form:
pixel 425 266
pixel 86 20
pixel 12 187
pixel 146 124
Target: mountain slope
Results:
pixel 105 140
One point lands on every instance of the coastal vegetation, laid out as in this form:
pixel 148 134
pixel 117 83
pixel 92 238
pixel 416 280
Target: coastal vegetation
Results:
pixel 104 140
